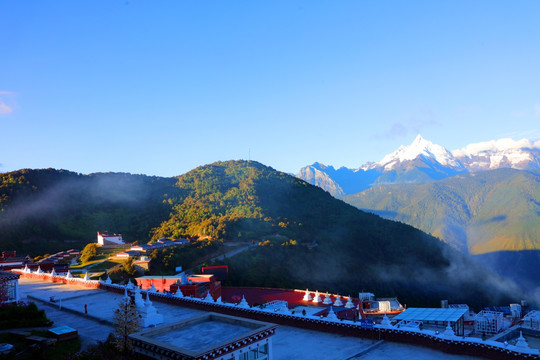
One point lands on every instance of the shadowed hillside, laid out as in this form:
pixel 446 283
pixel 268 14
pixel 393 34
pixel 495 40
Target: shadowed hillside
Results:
pixel 305 237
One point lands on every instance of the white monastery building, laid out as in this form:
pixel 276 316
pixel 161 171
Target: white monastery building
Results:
pixel 104 238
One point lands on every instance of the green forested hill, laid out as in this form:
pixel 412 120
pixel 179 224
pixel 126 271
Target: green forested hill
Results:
pixel 479 212
pixel 301 235
pixel 305 237
pixel 43 211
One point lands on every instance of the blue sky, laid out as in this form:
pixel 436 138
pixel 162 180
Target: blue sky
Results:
pixel 161 87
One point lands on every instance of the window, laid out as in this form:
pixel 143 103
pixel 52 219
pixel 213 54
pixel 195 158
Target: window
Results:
pixel 11 290
pixel 259 353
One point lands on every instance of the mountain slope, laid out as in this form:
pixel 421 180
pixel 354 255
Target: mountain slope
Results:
pixel 338 182
pixel 306 237
pixel 302 236
pixel 48 210
pixel 477 212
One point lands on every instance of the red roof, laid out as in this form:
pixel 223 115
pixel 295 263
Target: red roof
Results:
pixel 258 296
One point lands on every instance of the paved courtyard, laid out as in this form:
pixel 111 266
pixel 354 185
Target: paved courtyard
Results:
pixel 289 343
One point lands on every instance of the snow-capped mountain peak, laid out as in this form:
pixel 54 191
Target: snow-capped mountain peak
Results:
pixel 420 147
pixel 494 154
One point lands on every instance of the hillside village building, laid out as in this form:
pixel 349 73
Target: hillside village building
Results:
pixel 104 238
pixel 193 285
pixel 10 260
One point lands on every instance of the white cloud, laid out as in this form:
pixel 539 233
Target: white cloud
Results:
pixel 5 96
pixel 4 108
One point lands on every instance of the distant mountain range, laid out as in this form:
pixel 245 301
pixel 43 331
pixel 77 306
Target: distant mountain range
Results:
pixel 421 162
pixel 477 212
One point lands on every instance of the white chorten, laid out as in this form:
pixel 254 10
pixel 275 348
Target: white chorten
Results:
pixel 149 314
pixel 331 315
pixel 130 285
pixel 327 300
pixel 86 277
pixel 317 297
pixel 39 271
pixel 386 321
pixel 209 297
pixel 139 302
pixel 68 275
pixel 219 301
pixel 307 296
pixel 349 304
pixel 243 302
pixel 449 332
pixel 147 302
pixel 108 281
pixel 152 288
pixel 338 301
pixel 521 342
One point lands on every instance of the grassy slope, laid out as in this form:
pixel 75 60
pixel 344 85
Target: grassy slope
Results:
pixel 479 212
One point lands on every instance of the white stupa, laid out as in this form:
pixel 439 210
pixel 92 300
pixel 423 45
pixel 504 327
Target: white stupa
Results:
pixel 68 275
pixel 86 277
pixel 149 314
pixel 147 302
pixel 108 281
pixel 327 300
pixel 307 296
pixel 521 342
pixel 317 297
pixel 386 321
pixel 349 304
pixel 338 301
pixel 243 302
pixel 209 298
pixel 53 273
pixel 26 269
pixel 39 271
pixel 137 296
pixel 449 332
pixel 130 285
pixel 152 288
pixel 331 315
pixel 219 300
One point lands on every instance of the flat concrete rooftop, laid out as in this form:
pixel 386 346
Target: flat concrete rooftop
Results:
pixel 289 343
pixel 203 334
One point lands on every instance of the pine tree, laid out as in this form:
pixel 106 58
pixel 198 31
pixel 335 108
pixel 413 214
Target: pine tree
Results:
pixel 126 321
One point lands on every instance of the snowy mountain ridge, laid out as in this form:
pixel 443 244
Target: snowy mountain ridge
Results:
pixel 423 161
pixel 494 154
pixel 419 147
